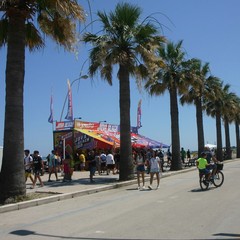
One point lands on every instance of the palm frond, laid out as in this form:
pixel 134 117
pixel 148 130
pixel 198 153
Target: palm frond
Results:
pixel 33 37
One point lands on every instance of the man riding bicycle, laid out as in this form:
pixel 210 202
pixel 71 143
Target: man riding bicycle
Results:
pixel 202 165
pixel 211 157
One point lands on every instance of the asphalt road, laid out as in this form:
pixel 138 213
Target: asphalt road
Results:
pixel 178 210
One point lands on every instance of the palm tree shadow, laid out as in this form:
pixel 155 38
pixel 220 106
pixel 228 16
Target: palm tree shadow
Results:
pixel 82 181
pixel 29 233
pixel 140 190
pixel 228 235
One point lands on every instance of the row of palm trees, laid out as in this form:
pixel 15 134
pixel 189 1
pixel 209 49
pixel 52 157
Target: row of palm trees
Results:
pixel 191 81
pixel 140 52
pixel 135 48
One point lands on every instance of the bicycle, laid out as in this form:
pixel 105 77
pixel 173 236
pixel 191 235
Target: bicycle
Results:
pixel 217 180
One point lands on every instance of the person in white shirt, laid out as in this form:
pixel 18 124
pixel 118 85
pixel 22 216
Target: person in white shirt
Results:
pixel 28 163
pixel 140 162
pixel 154 169
pixel 110 163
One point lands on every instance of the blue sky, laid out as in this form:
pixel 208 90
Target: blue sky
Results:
pixel 209 30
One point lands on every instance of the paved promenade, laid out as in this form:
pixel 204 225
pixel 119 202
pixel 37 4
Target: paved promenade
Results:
pixel 79 186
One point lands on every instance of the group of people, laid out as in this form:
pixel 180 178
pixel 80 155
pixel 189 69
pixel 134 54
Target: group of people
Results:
pixel 185 154
pixel 33 164
pixel 147 159
pixel 108 161
pixel 101 161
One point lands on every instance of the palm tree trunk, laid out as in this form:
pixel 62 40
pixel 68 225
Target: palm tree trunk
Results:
pixel 237 139
pixel 200 130
pixel 12 180
pixel 126 161
pixel 176 160
pixel 219 137
pixel 227 138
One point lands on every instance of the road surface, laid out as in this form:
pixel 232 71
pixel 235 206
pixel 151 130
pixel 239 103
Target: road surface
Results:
pixel 177 210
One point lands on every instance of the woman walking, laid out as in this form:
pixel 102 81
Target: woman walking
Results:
pixel 154 169
pixel 140 162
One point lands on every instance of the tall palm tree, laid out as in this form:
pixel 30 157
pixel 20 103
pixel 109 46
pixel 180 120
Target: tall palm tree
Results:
pixel 228 113
pixel 236 119
pixel 128 43
pixel 214 107
pixel 170 77
pixel 196 73
pixel 56 19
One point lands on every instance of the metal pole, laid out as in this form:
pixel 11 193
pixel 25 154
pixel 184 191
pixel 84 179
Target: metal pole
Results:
pixel 64 147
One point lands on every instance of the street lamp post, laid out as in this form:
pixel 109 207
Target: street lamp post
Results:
pixel 75 80
pixel 103 121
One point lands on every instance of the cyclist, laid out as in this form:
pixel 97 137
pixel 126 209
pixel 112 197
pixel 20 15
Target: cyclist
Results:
pixel 212 161
pixel 202 165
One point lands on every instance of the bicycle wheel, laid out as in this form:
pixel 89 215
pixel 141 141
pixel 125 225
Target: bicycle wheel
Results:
pixel 218 179
pixel 203 183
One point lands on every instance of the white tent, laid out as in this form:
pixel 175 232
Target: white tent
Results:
pixel 210 145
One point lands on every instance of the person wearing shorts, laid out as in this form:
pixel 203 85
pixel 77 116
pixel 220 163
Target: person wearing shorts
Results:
pixel 140 162
pixel 52 166
pixel 110 163
pixel 154 169
pixel 28 162
pixel 202 165
pixel 37 168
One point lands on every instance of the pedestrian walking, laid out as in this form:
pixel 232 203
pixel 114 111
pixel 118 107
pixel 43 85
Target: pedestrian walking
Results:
pixel 28 164
pixel 92 165
pixel 183 154
pixel 38 168
pixel 188 155
pixel 110 163
pixel 140 162
pixel 52 167
pixel 154 169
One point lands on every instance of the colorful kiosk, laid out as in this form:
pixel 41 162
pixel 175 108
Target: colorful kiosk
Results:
pixel 73 136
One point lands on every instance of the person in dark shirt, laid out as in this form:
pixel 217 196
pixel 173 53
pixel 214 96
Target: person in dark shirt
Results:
pixel 38 167
pixel 211 159
pixel 92 165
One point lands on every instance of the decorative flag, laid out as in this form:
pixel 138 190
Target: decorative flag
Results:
pixel 50 119
pixel 139 114
pixel 69 115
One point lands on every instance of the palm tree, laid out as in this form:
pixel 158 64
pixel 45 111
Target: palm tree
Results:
pixel 170 77
pixel 214 107
pixel 56 19
pixel 229 110
pixel 129 44
pixel 196 74
pixel 235 117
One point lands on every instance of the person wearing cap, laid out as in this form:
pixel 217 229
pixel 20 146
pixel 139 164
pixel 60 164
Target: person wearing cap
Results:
pixel 211 159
